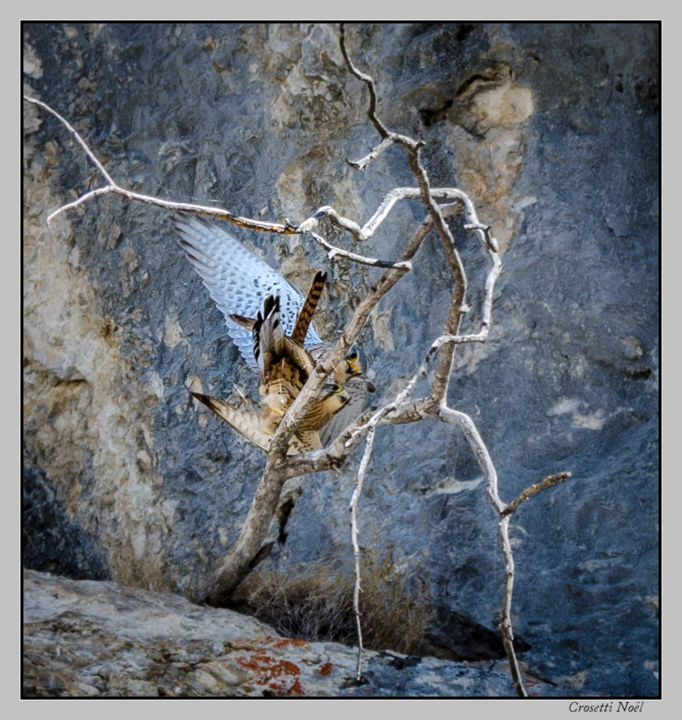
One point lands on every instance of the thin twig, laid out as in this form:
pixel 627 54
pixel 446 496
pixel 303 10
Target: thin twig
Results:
pixel 504 514
pixel 506 630
pixel 526 494
pixel 75 133
pixel 364 162
pixel 369 82
pixel 354 257
pixel 354 532
pixel 114 187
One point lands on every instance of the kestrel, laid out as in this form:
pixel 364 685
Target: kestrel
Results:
pixel 238 281
pixel 284 368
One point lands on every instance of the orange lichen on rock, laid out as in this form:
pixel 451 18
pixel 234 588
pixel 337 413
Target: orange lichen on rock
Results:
pixel 276 674
pixel 279 642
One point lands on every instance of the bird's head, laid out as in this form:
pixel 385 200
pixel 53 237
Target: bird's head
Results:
pixel 355 363
pixel 334 394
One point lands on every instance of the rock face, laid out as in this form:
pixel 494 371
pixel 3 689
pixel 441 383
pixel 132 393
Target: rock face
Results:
pixel 88 639
pixel 553 129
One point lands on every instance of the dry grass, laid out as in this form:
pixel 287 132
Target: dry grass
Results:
pixel 317 604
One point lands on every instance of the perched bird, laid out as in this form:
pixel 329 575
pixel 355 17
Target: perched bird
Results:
pixel 285 366
pixel 238 282
pixel 346 373
pixel 353 364
pixel 357 388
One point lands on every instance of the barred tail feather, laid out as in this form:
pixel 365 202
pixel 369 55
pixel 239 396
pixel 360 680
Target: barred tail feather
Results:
pixel 305 314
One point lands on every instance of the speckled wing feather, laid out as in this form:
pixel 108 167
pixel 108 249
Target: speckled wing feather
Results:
pixel 238 280
pixel 245 423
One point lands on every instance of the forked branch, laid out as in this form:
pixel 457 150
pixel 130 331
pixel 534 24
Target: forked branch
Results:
pixel 112 187
pixel 403 410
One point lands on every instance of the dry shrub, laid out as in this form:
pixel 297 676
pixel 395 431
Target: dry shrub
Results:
pixel 317 604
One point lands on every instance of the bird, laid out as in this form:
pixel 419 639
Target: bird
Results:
pixel 358 389
pixel 285 366
pixel 354 362
pixel 251 426
pixel 238 281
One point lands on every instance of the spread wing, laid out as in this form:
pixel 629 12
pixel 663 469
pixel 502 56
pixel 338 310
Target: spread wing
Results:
pixel 238 281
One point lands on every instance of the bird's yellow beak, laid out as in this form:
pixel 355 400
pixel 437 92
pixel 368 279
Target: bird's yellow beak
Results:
pixel 353 365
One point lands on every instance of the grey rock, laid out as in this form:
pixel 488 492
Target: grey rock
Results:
pixel 553 129
pixel 100 639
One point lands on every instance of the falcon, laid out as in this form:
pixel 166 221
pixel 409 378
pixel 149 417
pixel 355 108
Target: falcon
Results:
pixel 238 281
pixel 285 367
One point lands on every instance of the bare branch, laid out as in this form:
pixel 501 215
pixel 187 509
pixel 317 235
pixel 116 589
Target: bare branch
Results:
pixel 388 137
pixel 113 187
pixel 381 213
pixel 458 306
pixel 369 82
pixel 505 613
pixel 354 532
pixel 504 513
pixel 81 200
pixel 389 409
pixel 219 213
pixel 485 462
pixel 526 494
pixel 74 132
pixel 478 447
pixel 364 162
pixel 338 252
